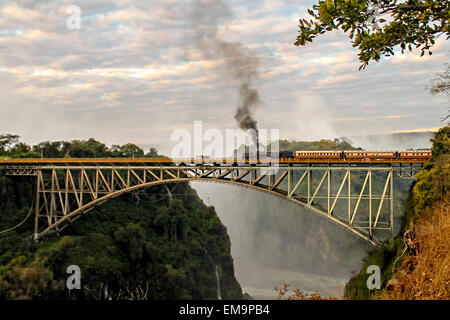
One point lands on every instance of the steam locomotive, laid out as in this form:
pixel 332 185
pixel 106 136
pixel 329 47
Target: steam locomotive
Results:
pixel 272 155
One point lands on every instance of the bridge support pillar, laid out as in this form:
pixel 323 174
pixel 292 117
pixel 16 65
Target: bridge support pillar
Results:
pixel 349 204
pixel 37 206
pixel 370 202
pixel 289 188
pixel 391 205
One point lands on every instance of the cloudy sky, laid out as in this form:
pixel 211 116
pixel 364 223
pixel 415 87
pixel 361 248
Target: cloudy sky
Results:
pixel 134 72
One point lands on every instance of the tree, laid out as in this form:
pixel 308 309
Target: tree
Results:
pixel 152 153
pixel 85 149
pixel 441 142
pixel 77 149
pixel 22 150
pixel 132 237
pixel 98 149
pixel 377 27
pixel 173 220
pixel 440 84
pixel 128 150
pixel 22 281
pixel 49 149
pixel 6 141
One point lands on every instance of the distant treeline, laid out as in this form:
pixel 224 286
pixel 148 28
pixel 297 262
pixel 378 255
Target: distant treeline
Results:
pixel 10 146
pixel 324 144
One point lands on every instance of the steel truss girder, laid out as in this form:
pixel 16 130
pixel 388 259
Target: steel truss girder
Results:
pixel 63 193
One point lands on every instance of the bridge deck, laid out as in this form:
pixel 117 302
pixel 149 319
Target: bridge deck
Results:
pixel 45 161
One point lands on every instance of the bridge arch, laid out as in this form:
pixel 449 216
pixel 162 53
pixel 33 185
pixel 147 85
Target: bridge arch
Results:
pixel 64 221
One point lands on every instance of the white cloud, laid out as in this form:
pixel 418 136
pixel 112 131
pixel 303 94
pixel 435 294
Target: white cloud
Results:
pixel 133 69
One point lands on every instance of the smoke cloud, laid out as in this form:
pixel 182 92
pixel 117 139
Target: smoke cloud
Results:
pixel 207 16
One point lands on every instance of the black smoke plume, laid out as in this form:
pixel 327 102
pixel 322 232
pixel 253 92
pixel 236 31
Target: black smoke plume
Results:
pixel 207 16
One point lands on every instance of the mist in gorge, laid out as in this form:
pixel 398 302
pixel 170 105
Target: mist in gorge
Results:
pixel 274 241
pixel 394 141
pixel 315 121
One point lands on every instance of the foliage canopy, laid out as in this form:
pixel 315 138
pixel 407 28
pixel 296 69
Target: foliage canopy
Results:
pixel 377 27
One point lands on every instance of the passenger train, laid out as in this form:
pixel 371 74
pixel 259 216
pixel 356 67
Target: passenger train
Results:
pixel 345 155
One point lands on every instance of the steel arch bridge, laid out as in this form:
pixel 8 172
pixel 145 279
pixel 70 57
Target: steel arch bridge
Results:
pixel 357 198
